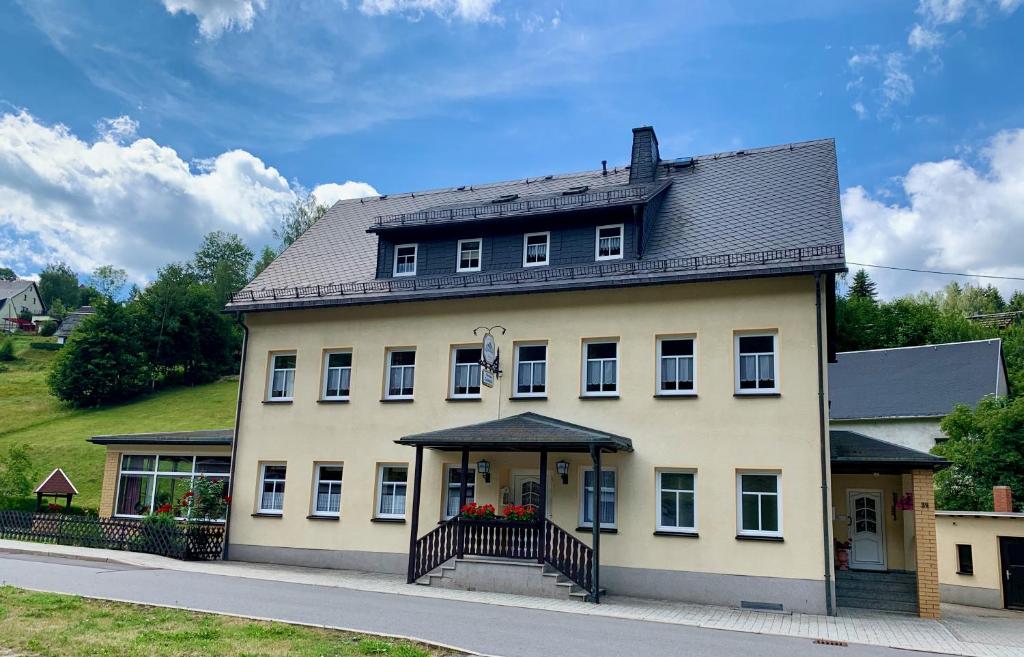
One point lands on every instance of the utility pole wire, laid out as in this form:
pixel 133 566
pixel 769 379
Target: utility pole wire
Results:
pixel 942 273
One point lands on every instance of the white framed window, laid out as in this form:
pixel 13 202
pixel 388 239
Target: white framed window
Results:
pixel 608 244
pixel 600 368
pixel 453 483
pixel 327 490
pixel 405 259
pixel 281 386
pixel 536 249
pixel 759 511
pixel 401 374
pixel 272 476
pixel 470 255
pixel 337 375
pixel 148 481
pixel 677 363
pixel 677 501
pixel 465 373
pixel 757 364
pixel 531 371
pixel 391 490
pixel 608 497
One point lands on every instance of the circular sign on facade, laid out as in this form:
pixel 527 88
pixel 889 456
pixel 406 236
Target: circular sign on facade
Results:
pixel 490 350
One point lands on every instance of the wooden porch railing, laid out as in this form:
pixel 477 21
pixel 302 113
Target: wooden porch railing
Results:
pixel 543 541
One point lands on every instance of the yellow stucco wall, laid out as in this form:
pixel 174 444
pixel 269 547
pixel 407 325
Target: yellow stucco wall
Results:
pixel 716 433
pixel 982 534
pixel 895 528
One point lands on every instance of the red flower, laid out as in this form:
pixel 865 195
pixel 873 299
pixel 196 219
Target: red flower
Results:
pixel 164 508
pixel 227 499
pixel 188 495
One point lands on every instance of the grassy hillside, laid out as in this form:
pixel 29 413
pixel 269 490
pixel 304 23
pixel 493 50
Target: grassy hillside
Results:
pixel 57 434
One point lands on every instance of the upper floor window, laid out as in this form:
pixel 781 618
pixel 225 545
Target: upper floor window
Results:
pixel 676 366
pixel 535 249
pixel 465 372
pixel 600 368
pixel 609 242
pixel 531 371
pixel 756 357
pixel 405 259
pixel 337 374
pixel 328 491
pixel 469 255
pixel 401 373
pixel 272 478
pixel 282 377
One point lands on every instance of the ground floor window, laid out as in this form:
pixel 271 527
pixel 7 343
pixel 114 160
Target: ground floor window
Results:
pixel 760 504
pixel 272 478
pixel 391 489
pixel 677 502
pixel 607 499
pixel 964 560
pixel 328 490
pixel 453 477
pixel 147 482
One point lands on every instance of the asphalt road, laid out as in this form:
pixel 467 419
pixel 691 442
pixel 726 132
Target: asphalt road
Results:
pixel 487 629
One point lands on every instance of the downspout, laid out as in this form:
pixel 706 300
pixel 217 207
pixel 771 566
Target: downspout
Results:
pixel 234 436
pixel 826 515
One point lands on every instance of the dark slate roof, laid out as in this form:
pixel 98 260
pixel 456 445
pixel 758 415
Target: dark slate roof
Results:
pixel 926 381
pixel 203 437
pixel 523 432
pixel 72 320
pixel 759 212
pixel 10 288
pixel 57 484
pixel 851 450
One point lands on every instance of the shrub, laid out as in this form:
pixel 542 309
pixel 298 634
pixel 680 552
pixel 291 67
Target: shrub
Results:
pixel 17 475
pixel 6 349
pixel 46 329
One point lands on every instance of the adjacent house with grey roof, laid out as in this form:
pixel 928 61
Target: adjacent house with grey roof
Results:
pixel 17 297
pixel 901 395
pixel 71 322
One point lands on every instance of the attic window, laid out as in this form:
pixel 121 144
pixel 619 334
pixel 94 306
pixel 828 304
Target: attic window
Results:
pixel 505 198
pixel 579 189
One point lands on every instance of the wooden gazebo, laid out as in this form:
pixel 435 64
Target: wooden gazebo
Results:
pixel 57 485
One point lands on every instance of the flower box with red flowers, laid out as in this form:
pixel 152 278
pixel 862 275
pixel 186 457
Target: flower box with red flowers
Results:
pixel 519 512
pixel 474 511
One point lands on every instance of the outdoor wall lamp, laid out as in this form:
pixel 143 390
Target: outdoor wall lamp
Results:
pixel 562 467
pixel 483 466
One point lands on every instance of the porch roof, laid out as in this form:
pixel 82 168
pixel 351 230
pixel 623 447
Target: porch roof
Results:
pixel 855 452
pixel 526 432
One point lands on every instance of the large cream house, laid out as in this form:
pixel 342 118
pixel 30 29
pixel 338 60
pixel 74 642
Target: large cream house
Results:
pixel 664 324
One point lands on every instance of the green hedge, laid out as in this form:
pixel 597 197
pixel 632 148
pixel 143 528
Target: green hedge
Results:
pixel 45 346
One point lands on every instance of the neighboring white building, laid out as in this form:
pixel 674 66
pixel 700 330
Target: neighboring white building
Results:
pixel 71 322
pixel 17 296
pixel 901 395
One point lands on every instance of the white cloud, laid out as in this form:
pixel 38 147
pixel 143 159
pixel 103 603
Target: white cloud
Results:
pixel 922 38
pixel 957 216
pixel 859 108
pixel 943 11
pixel 897 86
pixel 470 11
pixel 217 16
pixel 887 70
pixel 120 129
pixel 135 205
pixel 331 193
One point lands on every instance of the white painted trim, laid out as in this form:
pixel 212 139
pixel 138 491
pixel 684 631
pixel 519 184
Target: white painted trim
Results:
pixel 458 255
pixel 597 491
pixel 415 260
pixel 774 335
pixel 657 501
pixel 387 373
pixel 547 250
pixel 622 242
pixel 273 369
pixel 515 369
pixel 451 373
pixel 56 470
pixel 879 521
pixel 585 361
pixel 316 489
pixel 326 370
pixel 448 468
pixel 380 491
pixel 262 480
pixel 739 503
pixel 657 366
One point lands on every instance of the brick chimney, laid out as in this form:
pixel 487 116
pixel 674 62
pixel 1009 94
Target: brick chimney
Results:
pixel 645 157
pixel 1002 499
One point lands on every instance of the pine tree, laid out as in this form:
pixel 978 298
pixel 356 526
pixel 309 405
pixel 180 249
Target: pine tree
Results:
pixel 863 287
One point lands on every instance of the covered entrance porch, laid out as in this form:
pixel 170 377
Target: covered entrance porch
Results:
pixel 884 525
pixel 516 543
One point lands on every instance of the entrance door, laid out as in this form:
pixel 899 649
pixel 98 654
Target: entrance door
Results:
pixel 1012 552
pixel 867 530
pixel 526 490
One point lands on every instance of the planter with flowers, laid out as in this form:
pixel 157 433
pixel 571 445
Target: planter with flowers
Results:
pixel 521 513
pixel 474 511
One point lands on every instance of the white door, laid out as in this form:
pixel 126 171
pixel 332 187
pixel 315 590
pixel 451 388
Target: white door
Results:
pixel 867 530
pixel 526 490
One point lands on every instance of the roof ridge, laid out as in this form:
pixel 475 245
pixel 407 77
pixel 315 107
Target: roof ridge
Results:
pixel 919 346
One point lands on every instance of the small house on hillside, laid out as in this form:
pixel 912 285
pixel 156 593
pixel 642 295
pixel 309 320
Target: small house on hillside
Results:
pixel 71 322
pixel 901 395
pixel 17 297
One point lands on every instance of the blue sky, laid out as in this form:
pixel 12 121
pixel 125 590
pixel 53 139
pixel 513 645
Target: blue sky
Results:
pixel 131 128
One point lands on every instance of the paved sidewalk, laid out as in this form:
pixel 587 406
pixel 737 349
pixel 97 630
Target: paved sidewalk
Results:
pixel 963 631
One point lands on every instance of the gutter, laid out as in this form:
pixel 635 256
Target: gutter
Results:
pixel 823 429
pixel 234 442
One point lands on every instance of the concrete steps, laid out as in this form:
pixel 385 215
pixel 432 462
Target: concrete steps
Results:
pixel 498 575
pixel 884 591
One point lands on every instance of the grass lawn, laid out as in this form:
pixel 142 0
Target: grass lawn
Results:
pixel 57 434
pixel 46 624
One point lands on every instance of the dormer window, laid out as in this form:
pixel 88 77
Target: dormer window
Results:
pixel 469 255
pixel 405 260
pixel 535 249
pixel 609 242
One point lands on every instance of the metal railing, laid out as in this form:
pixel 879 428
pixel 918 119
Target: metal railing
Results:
pixel 544 274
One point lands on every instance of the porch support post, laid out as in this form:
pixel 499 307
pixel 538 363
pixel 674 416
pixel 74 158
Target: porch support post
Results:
pixel 463 496
pixel 927 553
pixel 542 507
pixel 595 578
pixel 414 521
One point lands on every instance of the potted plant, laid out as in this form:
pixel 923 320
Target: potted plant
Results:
pixel 518 512
pixel 474 511
pixel 842 555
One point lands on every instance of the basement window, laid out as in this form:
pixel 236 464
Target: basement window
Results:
pixel 964 560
